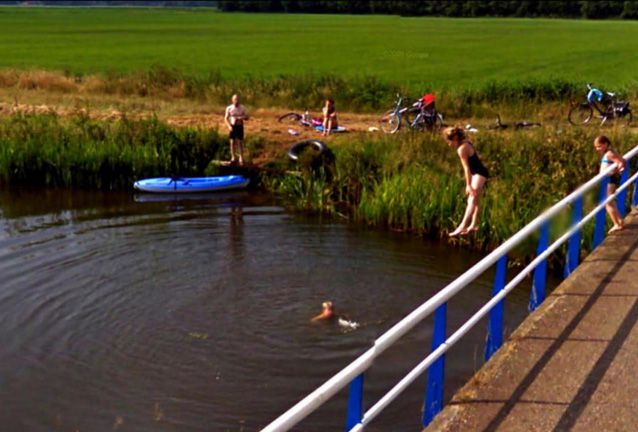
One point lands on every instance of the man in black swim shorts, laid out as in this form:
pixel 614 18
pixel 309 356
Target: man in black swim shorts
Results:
pixel 234 119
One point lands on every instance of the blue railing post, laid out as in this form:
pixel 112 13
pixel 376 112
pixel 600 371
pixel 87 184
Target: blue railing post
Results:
pixel 537 296
pixel 634 201
pixel 573 244
pixel 601 216
pixel 621 199
pixel 495 320
pixel 355 402
pixel 436 372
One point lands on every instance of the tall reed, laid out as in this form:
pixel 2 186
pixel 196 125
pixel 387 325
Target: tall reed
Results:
pixel 46 150
pixel 414 182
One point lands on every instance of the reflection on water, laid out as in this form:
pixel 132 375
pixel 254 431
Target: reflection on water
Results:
pixel 236 234
pixel 149 313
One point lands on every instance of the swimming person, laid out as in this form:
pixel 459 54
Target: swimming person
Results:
pixel 602 144
pixel 326 313
pixel 475 176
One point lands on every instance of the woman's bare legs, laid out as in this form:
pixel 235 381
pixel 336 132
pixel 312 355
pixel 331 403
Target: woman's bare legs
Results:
pixel 470 218
pixel 478 181
pixel 469 211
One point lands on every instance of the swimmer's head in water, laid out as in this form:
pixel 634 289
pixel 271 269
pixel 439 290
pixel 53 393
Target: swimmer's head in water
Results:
pixel 327 312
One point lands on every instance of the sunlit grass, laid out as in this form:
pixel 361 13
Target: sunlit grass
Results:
pixel 296 60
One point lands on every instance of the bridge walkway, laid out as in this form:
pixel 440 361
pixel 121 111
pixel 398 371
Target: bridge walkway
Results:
pixel 573 364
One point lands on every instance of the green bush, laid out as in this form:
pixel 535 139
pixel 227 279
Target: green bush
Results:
pixel 46 150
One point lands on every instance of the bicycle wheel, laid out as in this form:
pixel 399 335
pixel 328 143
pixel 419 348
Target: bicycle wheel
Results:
pixel 390 122
pixel 290 118
pixel 580 114
pixel 436 124
pixel 626 119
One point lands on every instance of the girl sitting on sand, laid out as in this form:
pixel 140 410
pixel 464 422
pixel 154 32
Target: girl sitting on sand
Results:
pixel 329 117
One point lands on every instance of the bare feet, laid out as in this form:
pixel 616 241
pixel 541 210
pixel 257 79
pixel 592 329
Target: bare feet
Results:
pixel 241 162
pixel 616 228
pixel 457 232
pixel 471 229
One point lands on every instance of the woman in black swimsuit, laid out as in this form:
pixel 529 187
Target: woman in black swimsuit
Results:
pixel 475 176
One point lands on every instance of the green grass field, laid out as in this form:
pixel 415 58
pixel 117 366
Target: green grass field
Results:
pixel 478 67
pixel 416 52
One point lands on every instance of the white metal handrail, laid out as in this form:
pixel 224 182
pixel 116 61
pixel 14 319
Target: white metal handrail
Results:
pixel 315 399
pixel 481 313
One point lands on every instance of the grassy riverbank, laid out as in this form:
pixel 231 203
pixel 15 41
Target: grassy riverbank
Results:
pixel 47 150
pixel 160 62
pixel 361 93
pixel 414 182
pixel 409 181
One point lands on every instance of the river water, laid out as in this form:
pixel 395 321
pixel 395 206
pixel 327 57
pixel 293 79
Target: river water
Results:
pixel 130 313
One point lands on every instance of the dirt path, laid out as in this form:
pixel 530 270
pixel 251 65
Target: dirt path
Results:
pixel 278 137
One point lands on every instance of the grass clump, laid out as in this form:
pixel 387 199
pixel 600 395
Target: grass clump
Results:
pixel 46 150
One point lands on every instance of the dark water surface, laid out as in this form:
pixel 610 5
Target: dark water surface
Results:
pixel 130 314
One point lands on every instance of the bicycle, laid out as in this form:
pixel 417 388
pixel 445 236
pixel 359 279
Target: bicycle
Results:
pixel 581 113
pixel 418 116
pixel 301 119
pixel 518 125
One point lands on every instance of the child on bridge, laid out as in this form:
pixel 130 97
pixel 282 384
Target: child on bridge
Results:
pixel 602 144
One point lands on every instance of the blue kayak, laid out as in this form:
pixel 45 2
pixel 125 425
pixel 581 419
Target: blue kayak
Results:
pixel 191 184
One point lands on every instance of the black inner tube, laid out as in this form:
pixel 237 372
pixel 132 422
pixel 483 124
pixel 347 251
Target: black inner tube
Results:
pixel 299 147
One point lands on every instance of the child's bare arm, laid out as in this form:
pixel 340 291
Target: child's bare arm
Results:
pixel 620 162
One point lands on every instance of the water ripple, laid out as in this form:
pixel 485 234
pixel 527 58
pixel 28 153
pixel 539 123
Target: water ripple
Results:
pixel 195 314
